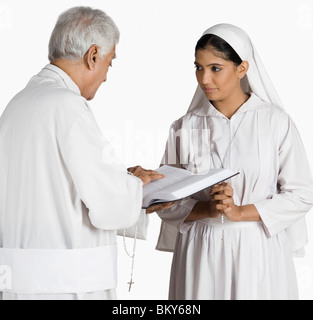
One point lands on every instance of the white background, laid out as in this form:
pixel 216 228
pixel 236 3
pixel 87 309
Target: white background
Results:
pixel 152 82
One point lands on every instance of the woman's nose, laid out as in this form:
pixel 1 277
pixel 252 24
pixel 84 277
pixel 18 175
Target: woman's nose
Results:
pixel 204 78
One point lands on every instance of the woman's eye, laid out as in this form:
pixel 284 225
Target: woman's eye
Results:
pixel 216 69
pixel 198 68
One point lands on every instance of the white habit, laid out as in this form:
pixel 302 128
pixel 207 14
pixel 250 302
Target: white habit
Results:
pixel 63 194
pixel 254 260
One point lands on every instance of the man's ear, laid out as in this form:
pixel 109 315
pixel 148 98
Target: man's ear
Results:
pixel 91 57
pixel 243 69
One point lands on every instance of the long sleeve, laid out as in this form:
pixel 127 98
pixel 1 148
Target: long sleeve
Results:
pixel 112 196
pixel 295 184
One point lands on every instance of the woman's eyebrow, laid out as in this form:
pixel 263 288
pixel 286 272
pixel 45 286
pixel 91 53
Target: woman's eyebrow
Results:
pixel 209 65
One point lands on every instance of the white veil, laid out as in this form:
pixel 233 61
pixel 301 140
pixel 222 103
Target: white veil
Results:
pixel 256 80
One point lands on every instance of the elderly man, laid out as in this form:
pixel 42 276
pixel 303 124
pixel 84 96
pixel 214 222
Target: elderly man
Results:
pixel 63 193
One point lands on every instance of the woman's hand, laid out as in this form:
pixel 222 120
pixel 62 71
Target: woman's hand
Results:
pixel 222 202
pixel 222 196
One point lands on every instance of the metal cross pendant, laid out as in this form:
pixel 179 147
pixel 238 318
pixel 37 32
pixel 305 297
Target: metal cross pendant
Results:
pixel 130 284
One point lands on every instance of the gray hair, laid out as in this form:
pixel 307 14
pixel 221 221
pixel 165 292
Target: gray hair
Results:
pixel 77 29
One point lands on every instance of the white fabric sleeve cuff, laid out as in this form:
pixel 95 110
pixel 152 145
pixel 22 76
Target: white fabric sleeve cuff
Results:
pixel 142 225
pixel 269 231
pixel 177 215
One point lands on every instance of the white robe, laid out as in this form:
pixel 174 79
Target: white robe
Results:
pixel 61 186
pixel 255 260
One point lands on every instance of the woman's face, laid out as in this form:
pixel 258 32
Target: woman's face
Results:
pixel 218 78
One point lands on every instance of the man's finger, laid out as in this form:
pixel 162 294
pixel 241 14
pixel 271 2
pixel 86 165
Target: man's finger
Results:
pixel 159 207
pixel 156 176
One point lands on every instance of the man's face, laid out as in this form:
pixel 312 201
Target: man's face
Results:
pixel 99 74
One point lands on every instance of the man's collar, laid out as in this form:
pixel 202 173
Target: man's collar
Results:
pixel 55 72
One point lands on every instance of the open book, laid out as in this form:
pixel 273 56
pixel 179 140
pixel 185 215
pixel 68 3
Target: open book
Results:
pixel 180 183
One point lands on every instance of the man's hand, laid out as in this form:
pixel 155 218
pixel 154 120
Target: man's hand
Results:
pixel 159 207
pixel 146 176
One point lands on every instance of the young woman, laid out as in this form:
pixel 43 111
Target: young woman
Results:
pixel 235 240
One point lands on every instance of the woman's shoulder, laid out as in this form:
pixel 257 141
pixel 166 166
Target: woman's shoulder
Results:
pixel 269 109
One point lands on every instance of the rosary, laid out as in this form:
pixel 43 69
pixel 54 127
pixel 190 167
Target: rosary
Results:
pixel 132 256
pixel 222 166
pixel 222 221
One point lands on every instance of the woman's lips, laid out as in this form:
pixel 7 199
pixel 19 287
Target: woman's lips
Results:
pixel 209 90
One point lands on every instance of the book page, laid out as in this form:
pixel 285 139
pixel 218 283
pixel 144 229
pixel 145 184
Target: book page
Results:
pixel 172 176
pixel 180 184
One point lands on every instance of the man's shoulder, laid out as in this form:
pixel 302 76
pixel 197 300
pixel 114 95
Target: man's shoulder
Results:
pixel 64 97
pixel 67 105
pixel 49 101
pixel 50 93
